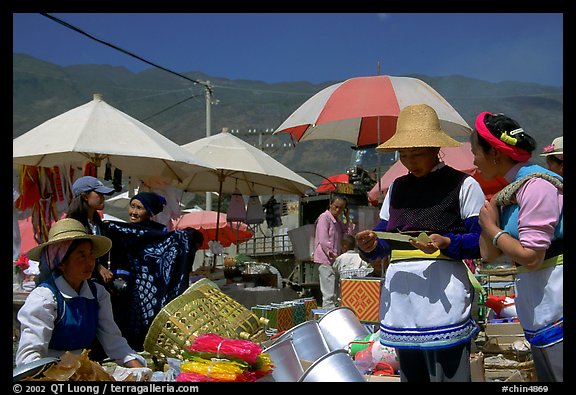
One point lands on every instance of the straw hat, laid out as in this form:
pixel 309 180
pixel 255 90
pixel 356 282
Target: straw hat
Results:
pixel 71 229
pixel 556 148
pixel 417 126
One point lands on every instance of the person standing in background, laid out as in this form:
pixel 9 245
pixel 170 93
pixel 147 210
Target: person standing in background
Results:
pixel 88 198
pixel 554 154
pixel 349 258
pixel 524 222
pixel 328 245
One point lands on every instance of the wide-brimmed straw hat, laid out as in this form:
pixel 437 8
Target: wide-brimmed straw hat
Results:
pixel 417 126
pixel 71 229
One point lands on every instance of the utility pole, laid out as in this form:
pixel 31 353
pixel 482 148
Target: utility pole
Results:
pixel 208 88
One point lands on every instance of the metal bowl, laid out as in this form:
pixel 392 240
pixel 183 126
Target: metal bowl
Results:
pixel 340 326
pixel 308 341
pixel 336 366
pixel 287 366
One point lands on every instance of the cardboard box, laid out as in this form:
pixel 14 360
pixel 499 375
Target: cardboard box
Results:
pixel 501 335
pixel 477 367
pixel 382 379
pixel 302 239
pixel 363 296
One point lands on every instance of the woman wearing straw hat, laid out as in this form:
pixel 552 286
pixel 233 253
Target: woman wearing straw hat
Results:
pixel 554 154
pixel 524 222
pixel 426 300
pixel 68 311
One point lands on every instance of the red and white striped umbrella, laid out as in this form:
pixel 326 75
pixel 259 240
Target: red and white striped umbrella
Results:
pixel 363 111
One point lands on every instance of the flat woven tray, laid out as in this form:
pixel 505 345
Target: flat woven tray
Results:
pixel 203 308
pixel 499 272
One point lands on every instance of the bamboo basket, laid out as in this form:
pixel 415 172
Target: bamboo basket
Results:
pixel 201 309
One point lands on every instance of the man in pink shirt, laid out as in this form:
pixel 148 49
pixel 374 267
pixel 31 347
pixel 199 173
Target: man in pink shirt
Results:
pixel 328 238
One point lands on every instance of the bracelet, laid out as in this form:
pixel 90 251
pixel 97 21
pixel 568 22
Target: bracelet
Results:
pixel 497 236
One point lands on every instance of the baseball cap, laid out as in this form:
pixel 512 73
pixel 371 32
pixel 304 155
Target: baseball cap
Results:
pixel 88 184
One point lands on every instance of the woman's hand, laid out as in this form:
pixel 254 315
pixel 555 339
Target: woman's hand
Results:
pixel 438 242
pixel 105 273
pixel 134 363
pixel 489 217
pixel 366 240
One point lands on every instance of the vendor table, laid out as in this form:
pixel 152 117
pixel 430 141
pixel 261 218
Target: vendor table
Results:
pixel 259 295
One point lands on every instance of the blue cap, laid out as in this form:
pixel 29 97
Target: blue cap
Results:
pixel 89 184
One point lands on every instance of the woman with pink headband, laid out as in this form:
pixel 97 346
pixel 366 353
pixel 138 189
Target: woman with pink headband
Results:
pixel 524 222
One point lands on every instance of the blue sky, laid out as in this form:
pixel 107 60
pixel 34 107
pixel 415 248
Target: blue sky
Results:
pixel 286 47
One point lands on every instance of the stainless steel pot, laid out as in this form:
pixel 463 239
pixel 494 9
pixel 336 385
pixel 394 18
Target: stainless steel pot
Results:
pixel 336 366
pixel 340 326
pixel 308 341
pixel 287 367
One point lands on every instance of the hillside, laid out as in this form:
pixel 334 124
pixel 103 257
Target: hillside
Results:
pixel 176 107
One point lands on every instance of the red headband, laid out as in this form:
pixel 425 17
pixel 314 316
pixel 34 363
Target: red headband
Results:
pixel 516 153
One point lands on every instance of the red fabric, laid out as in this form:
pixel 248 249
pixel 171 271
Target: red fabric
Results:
pixel 513 152
pixel 90 170
pixel 29 189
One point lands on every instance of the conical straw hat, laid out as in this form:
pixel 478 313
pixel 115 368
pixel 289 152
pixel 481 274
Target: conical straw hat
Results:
pixel 417 126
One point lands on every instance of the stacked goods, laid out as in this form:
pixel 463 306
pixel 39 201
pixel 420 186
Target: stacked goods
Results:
pixel 214 358
pixel 363 296
pixel 285 315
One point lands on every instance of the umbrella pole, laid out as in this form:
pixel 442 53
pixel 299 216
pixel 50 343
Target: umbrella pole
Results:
pixel 221 179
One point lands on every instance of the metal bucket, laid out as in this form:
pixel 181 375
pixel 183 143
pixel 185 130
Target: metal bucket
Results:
pixel 336 366
pixel 308 341
pixel 287 366
pixel 340 326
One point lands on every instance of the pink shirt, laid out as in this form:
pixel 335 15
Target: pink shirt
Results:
pixel 328 238
pixel 538 213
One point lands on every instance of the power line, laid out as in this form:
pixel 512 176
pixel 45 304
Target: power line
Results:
pixel 76 29
pixel 170 107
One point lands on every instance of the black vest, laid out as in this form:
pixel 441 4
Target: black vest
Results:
pixel 430 203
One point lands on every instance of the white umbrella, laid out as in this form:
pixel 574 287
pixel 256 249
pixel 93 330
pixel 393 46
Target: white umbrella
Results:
pixel 100 133
pixel 240 165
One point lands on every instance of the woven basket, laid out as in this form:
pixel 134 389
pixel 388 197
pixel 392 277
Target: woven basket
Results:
pixel 201 309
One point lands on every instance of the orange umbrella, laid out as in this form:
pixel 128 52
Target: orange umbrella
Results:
pixel 207 222
pixel 330 183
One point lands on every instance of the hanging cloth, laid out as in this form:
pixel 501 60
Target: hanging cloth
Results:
pixel 254 211
pixel 236 209
pixel 90 169
pixel 273 213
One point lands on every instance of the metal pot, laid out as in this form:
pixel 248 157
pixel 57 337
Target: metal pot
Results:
pixel 336 366
pixel 256 268
pixel 340 326
pixel 287 365
pixel 308 341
